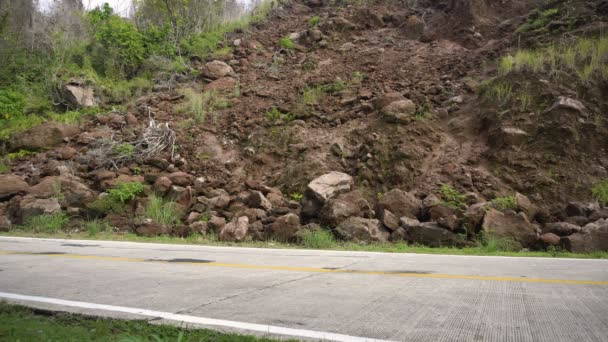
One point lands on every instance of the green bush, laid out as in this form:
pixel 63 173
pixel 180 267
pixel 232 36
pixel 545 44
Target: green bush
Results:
pixel 125 192
pixel 287 43
pixel 600 192
pixel 314 21
pixel 11 104
pixel 47 222
pixel 162 211
pixel 318 239
pixel 452 198
pixel 504 203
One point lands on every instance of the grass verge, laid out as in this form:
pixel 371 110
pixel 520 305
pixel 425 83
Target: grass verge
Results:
pixel 325 243
pixel 19 323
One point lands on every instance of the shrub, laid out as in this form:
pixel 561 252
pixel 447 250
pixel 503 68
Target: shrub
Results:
pixel 274 115
pixel 287 43
pixel 4 168
pixel 452 198
pixel 47 222
pixel 296 196
pixel 537 20
pixel 127 191
pixel 335 87
pixel 318 239
pixel 600 192
pixel 163 212
pixel 314 21
pixel 504 203
pixel 96 226
pixel 311 96
pixel 11 104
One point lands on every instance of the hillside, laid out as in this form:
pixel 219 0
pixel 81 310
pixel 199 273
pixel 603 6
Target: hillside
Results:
pixel 443 123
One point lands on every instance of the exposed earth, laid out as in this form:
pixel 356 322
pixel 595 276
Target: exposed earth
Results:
pixel 367 121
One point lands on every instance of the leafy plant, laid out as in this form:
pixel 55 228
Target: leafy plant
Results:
pixel 4 168
pixel 127 191
pixel 296 196
pixel 318 239
pixel 20 154
pixel 452 198
pixel 334 87
pixel 274 115
pixel 163 212
pixel 12 104
pixel 600 192
pixel 124 150
pixel 314 21
pixel 47 222
pixel 504 203
pixel 287 43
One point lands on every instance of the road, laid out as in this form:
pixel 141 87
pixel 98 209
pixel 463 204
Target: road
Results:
pixel 308 294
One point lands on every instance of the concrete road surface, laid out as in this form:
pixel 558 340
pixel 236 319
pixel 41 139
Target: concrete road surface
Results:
pixel 314 295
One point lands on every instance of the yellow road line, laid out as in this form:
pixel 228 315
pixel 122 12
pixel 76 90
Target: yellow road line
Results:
pixel 316 270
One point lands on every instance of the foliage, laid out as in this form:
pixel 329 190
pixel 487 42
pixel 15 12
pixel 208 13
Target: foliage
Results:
pixel 124 150
pixel 12 104
pixel 200 105
pixel 504 203
pixel 311 96
pixel 4 168
pixel 537 20
pixel 127 191
pixel 19 323
pixel 318 239
pixel 20 154
pixel 452 198
pixel 163 212
pixel 275 115
pixel 497 91
pixel 600 192
pixel 335 87
pixel 314 21
pixel 96 226
pixel 296 196
pixel 47 222
pixel 287 43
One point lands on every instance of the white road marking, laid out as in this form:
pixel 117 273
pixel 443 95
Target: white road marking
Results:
pixel 269 329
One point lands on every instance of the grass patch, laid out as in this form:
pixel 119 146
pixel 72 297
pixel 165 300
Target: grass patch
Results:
pixel 314 21
pixel 123 150
pixel 200 105
pixel 19 323
pixel 49 223
pixel 504 203
pixel 538 20
pixel 312 96
pixel 318 239
pixel 4 168
pixel 162 211
pixel 97 226
pixel 600 192
pixel 452 198
pixel 287 43
pixel 275 115
pixel 115 200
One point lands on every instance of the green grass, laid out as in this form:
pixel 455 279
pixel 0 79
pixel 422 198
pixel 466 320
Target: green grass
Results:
pixel 504 203
pixel 287 43
pixel 97 226
pixel 275 115
pixel 162 211
pixel 4 168
pixel 18 323
pixel 600 192
pixel 46 223
pixel 452 198
pixel 489 248
pixel 538 20
pixel 312 96
pixel 124 150
pixel 314 21
pixel 318 239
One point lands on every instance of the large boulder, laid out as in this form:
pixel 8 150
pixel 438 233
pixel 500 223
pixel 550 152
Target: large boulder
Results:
pixel 69 189
pixel 322 189
pixel 11 185
pixel 359 229
pixel 216 70
pixel 509 225
pixel 285 227
pixel 30 206
pixel 256 199
pixel 524 204
pixel 444 216
pixel 593 237
pixel 44 136
pixel 151 228
pixel 473 217
pixel 433 235
pixel 561 228
pixel 181 178
pixel 344 206
pixel 402 111
pixel 76 94
pixel 400 203
pixel 236 230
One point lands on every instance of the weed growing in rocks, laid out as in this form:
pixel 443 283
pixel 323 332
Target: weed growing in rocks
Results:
pixel 275 115
pixel 114 201
pixel 600 192
pixel 48 223
pixel 451 197
pixel 4 168
pixel 318 239
pixel 162 211
pixel 97 226
pixel 124 150
pixel 287 43
pixel 314 21
pixel 504 203
pixel 296 196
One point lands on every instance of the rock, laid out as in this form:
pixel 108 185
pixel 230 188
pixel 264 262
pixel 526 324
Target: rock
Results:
pixel 399 234
pixel 11 185
pixel 400 203
pixel 285 227
pixel 598 214
pixel 578 220
pixel 257 200
pixel 276 199
pixel 219 202
pixel 430 201
pixel 407 222
pixel 315 35
pixel 563 102
pixel 224 85
pixel 183 196
pixel 256 231
pixel 509 225
pixel 524 204
pixel 150 228
pixel 431 234
pixel 102 175
pixel 577 209
pixel 473 217
pixel 347 47
pixel 162 185
pixel 253 214
pixel 329 185
pixel 236 230
pixel 120 221
pixel 387 99
pixel 512 136
pixel 359 229
pixel 122 178
pixel 444 216
pixel 66 153
pixel 550 239
pixel 181 178
pixel 389 220
pixel 216 70
pixel 193 216
pixel 403 111
pixel 561 228
pixel 594 237
pixel 70 189
pixel 5 219
pixel 344 206
pixel 44 136
pixel 216 223
pixel 30 206
pixel 199 227
pixel 78 95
